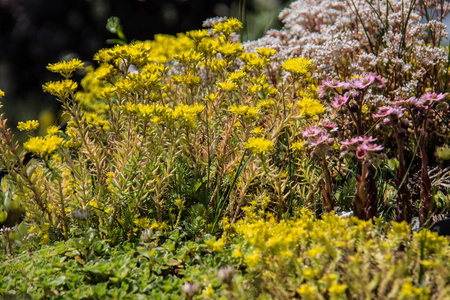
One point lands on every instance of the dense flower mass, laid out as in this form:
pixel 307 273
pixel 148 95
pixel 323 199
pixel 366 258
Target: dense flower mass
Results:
pixel 193 152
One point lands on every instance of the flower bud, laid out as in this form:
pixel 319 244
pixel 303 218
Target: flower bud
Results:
pixel 190 289
pixel 226 274
pixel 330 141
pixel 353 107
pixel 404 123
pixel 402 133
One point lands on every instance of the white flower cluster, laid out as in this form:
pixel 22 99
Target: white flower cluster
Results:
pixel 348 38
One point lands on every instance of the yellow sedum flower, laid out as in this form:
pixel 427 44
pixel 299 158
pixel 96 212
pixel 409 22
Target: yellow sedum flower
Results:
pixel 28 125
pixel 259 145
pixel 297 66
pixel 52 130
pixel 267 52
pixel 310 107
pixel 227 27
pixel 244 111
pixel 43 146
pixel 60 89
pixel 227 86
pixel 66 68
pixel 197 35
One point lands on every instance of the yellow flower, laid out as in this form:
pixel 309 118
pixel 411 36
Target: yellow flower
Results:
pixel 258 62
pixel 189 56
pixel 266 51
pixel 259 145
pixel 236 76
pixel 297 146
pixel 227 27
pixel 28 125
pixel 60 89
pixel 253 259
pixel 257 130
pixel 43 146
pixel 211 97
pixel 66 68
pixel 227 86
pixel 230 49
pixel 2 93
pixel 310 107
pixel 244 111
pixel 307 291
pixel 297 66
pixel 52 130
pixel 197 35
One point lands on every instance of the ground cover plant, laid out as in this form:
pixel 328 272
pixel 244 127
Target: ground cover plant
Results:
pixel 198 166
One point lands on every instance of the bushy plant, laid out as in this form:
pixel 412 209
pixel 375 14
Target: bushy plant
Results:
pixel 199 137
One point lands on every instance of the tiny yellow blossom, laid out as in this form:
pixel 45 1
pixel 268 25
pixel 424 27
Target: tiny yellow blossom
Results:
pixel 60 89
pixel 211 97
pixel 297 146
pixel 227 27
pixel 236 76
pixel 52 130
pixel 310 107
pixel 227 86
pixel 2 93
pixel 244 111
pixel 297 66
pixel 259 145
pixel 197 35
pixel 66 68
pixel 28 125
pixel 266 51
pixel 43 146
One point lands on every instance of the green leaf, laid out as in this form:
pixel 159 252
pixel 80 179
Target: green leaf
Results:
pixel 3 216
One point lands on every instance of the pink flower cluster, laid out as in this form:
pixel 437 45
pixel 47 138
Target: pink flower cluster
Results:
pixel 362 145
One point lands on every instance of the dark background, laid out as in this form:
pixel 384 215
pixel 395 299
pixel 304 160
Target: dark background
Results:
pixel 34 33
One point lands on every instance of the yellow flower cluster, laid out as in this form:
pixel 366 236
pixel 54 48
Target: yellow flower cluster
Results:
pixel 66 68
pixel 259 145
pixel 244 111
pixel 28 125
pixel 43 146
pixel 297 66
pixel 60 89
pixel 186 114
pixel 310 107
pixel 122 56
pixel 227 27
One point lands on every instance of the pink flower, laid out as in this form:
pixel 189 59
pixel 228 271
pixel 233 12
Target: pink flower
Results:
pixel 341 100
pixel 312 132
pixel 360 153
pixel 365 82
pixel 350 142
pixel 389 111
pixel 331 83
pixel 329 125
pixel 366 139
pixel 432 97
pixel 413 101
pixel 319 139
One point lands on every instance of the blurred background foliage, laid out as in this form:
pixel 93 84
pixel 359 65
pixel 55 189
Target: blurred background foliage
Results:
pixel 35 33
